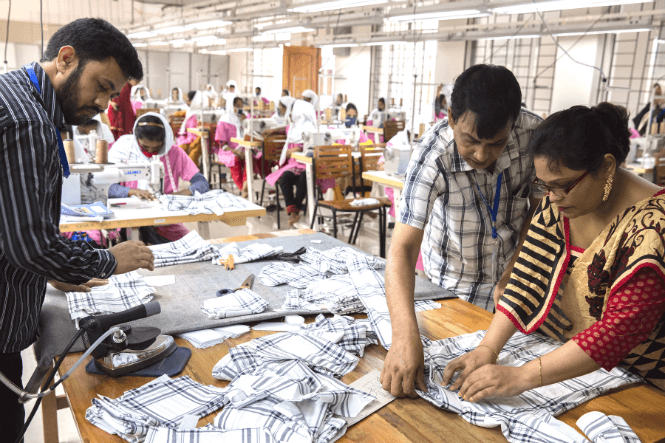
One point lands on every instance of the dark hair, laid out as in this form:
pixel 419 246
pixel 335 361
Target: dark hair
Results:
pixel 174 89
pixel 382 100
pixel 259 88
pixel 241 113
pixel 191 95
pixel 287 92
pixel 491 93
pixel 152 133
pixel 96 39
pixel 350 106
pixel 236 99
pixel 578 138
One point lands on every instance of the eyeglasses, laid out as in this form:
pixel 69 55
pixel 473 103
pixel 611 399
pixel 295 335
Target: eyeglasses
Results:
pixel 541 186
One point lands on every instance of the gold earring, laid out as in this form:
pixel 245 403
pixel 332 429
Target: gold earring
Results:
pixel 608 188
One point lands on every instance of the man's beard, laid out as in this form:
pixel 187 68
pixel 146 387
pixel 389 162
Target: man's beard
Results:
pixel 67 99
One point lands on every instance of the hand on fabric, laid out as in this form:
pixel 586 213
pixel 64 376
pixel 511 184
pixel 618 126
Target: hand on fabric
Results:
pixel 403 369
pixel 132 255
pixel 183 192
pixel 497 381
pixel 85 287
pixel 467 364
pixel 142 194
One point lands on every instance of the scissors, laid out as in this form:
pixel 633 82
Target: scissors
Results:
pixel 247 284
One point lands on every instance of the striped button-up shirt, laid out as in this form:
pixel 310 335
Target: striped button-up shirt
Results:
pixel 440 197
pixel 31 248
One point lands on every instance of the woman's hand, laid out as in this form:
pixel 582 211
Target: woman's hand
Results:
pixel 187 192
pixel 142 194
pixel 498 381
pixel 467 364
pixel 291 151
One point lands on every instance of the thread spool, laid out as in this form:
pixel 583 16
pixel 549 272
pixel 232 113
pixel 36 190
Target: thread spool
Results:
pixel 661 128
pixel 70 151
pixel 102 152
pixel 342 114
pixel 654 128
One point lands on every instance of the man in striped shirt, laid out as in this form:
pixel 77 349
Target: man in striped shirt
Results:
pixel 466 204
pixel 86 63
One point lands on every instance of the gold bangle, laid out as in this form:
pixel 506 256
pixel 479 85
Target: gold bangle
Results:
pixel 497 355
pixel 540 369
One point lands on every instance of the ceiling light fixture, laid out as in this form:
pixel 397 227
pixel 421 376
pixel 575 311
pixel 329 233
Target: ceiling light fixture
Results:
pixel 170 30
pixel 506 37
pixel 239 50
pixel 291 30
pixel 157 43
pixel 337 4
pixel 209 24
pixel 612 31
pixel 441 15
pixel 140 45
pixel 397 42
pixel 142 34
pixel 557 5
pixel 341 45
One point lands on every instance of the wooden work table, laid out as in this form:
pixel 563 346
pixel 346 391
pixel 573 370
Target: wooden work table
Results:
pixel 403 420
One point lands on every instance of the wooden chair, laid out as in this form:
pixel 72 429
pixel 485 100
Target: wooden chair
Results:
pixel 659 170
pixel 140 112
pixel 391 128
pixel 272 150
pixel 175 120
pixel 334 162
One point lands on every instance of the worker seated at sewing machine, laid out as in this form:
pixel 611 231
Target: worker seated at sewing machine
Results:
pixel 153 138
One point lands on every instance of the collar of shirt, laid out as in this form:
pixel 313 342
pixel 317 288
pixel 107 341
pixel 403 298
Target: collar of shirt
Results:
pixel 47 95
pixel 458 164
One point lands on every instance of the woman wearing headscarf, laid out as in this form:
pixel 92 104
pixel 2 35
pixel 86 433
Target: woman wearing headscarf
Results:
pixel 177 97
pixel 286 93
pixel 291 173
pixel 283 110
pixel 440 105
pixel 310 96
pixel 191 143
pixel 121 113
pixel 210 96
pixel 140 95
pixel 153 137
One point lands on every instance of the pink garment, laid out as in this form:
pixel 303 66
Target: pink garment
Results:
pixel 634 133
pixel 137 105
pixel 185 138
pixel 419 264
pixel 291 165
pixel 224 133
pixel 390 193
pixel 371 135
pixel 440 116
pixel 182 167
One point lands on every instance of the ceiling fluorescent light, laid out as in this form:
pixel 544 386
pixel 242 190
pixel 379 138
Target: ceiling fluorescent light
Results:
pixel 239 50
pixel 179 41
pixel 614 31
pixel 506 37
pixel 140 45
pixel 341 45
pixel 142 34
pixel 157 43
pixel 557 5
pixel 209 24
pixel 170 30
pixel 334 5
pixel 291 30
pixel 441 15
pixel 383 43
pixel 217 52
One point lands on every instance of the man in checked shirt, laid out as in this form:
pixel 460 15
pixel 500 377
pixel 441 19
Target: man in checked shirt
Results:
pixel 86 63
pixel 467 203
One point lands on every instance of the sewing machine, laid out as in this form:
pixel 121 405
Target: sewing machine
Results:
pixel 397 159
pixel 327 137
pixel 256 126
pixel 89 183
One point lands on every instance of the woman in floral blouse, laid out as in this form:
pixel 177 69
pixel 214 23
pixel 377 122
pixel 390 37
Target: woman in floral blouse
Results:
pixel 592 270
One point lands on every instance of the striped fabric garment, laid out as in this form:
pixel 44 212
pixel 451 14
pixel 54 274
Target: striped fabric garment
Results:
pixel 280 273
pixel 250 253
pixel 601 428
pixel 242 302
pixel 189 249
pixel 334 260
pixel 208 434
pixel 529 416
pixel 215 201
pixel 123 292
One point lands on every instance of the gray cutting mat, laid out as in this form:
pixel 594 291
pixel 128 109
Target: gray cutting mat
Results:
pixel 181 303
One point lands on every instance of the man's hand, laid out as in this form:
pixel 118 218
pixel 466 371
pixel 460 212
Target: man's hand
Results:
pixel 142 194
pixel 132 255
pixel 85 287
pixel 403 368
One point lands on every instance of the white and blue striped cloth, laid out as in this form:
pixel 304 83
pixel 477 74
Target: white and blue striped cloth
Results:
pixel 235 304
pixel 215 202
pixel 191 248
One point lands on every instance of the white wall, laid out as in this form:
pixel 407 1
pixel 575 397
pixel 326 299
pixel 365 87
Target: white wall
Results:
pixel 18 54
pixel 237 66
pixel 355 70
pixel 575 84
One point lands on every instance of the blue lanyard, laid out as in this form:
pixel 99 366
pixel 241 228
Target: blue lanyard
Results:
pixel 61 147
pixel 495 210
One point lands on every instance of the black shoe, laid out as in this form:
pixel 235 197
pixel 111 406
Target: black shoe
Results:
pixel 271 208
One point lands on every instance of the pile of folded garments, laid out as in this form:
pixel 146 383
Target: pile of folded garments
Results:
pixel 235 304
pixel 122 292
pixel 252 252
pixel 215 201
pixel 189 249
pixel 205 338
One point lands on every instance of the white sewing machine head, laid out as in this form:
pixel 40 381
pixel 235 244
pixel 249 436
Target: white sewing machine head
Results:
pixel 397 159
pixel 90 183
pixel 256 126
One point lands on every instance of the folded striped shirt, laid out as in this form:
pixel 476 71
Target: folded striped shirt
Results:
pixel 252 252
pixel 163 402
pixel 215 201
pixel 521 417
pixel 242 302
pixel 280 273
pixel 123 292
pixel 601 428
pixel 191 248
pixel 334 260
pixel 208 434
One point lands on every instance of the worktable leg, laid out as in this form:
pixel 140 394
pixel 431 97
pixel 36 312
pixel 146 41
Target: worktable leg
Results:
pixel 250 173
pixel 204 157
pixel 311 194
pixel 134 234
pixel 398 194
pixel 50 418
pixel 204 230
